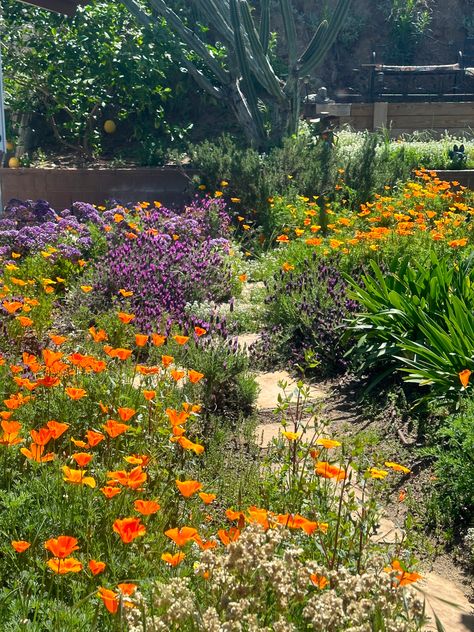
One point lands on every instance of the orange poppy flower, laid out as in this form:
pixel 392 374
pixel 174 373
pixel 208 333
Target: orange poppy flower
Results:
pixel 103 408
pixel 328 443
pixel 94 438
pixel 12 306
pixel 76 477
pixel 177 375
pixel 397 467
pixel 35 453
pixel 137 459
pixel 129 529
pixel 125 293
pixel 403 577
pixel 188 488
pixel 141 340
pixel 181 340
pixel 48 381
pixel 126 318
pixel 158 340
pixel 97 336
pixel 20 546
pixel 291 436
pixel 79 444
pixel 75 393
pixel 464 377
pixel 327 470
pixel 82 458
pixel 86 288
pixel 126 413
pixel 58 340
pixel 204 546
pixel 41 436
pixel 167 360
pixel 376 473
pixel 199 331
pixel 231 535
pixel 319 580
pixel 133 479
pixel 181 536
pixel 173 559
pixel 283 239
pixel 96 567
pixel 62 546
pixel 176 418
pixel 109 598
pixel 64 566
pixel 186 444
pixel 149 395
pixel 147 370
pixel 146 507
pixel 120 353
pixel 194 376
pixel 24 321
pixel 57 428
pixel 114 428
pixel 110 492
pixel 127 589
pixel 207 499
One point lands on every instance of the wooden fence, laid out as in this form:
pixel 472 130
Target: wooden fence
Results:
pixel 401 118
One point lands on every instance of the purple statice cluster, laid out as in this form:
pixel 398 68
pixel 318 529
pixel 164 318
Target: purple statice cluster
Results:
pixel 307 310
pixel 177 258
pixel 29 227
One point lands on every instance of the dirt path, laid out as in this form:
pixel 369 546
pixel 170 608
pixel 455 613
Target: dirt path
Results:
pixel 440 591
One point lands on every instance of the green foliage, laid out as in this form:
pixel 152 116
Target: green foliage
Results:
pixel 77 72
pixel 244 77
pixel 409 21
pixel 417 318
pixel 452 503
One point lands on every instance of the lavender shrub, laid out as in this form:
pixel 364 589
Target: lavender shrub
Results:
pixel 306 312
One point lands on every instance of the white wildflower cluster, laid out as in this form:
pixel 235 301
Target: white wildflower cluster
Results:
pixel 260 583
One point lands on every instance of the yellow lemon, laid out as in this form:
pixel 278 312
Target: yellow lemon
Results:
pixel 10 145
pixel 13 163
pixel 110 127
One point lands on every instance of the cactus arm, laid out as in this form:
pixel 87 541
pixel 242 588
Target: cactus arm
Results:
pixel 191 39
pixel 217 13
pixel 250 98
pixel 265 26
pixel 290 31
pixel 327 40
pixel 267 76
pixel 315 43
pixel 137 13
pixel 201 79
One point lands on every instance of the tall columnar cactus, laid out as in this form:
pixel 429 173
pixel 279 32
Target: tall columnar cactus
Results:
pixel 247 81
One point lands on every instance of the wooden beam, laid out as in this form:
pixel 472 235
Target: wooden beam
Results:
pixel 59 6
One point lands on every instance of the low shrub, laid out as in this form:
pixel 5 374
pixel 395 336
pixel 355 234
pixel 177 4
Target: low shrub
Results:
pixel 451 504
pixel 306 309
